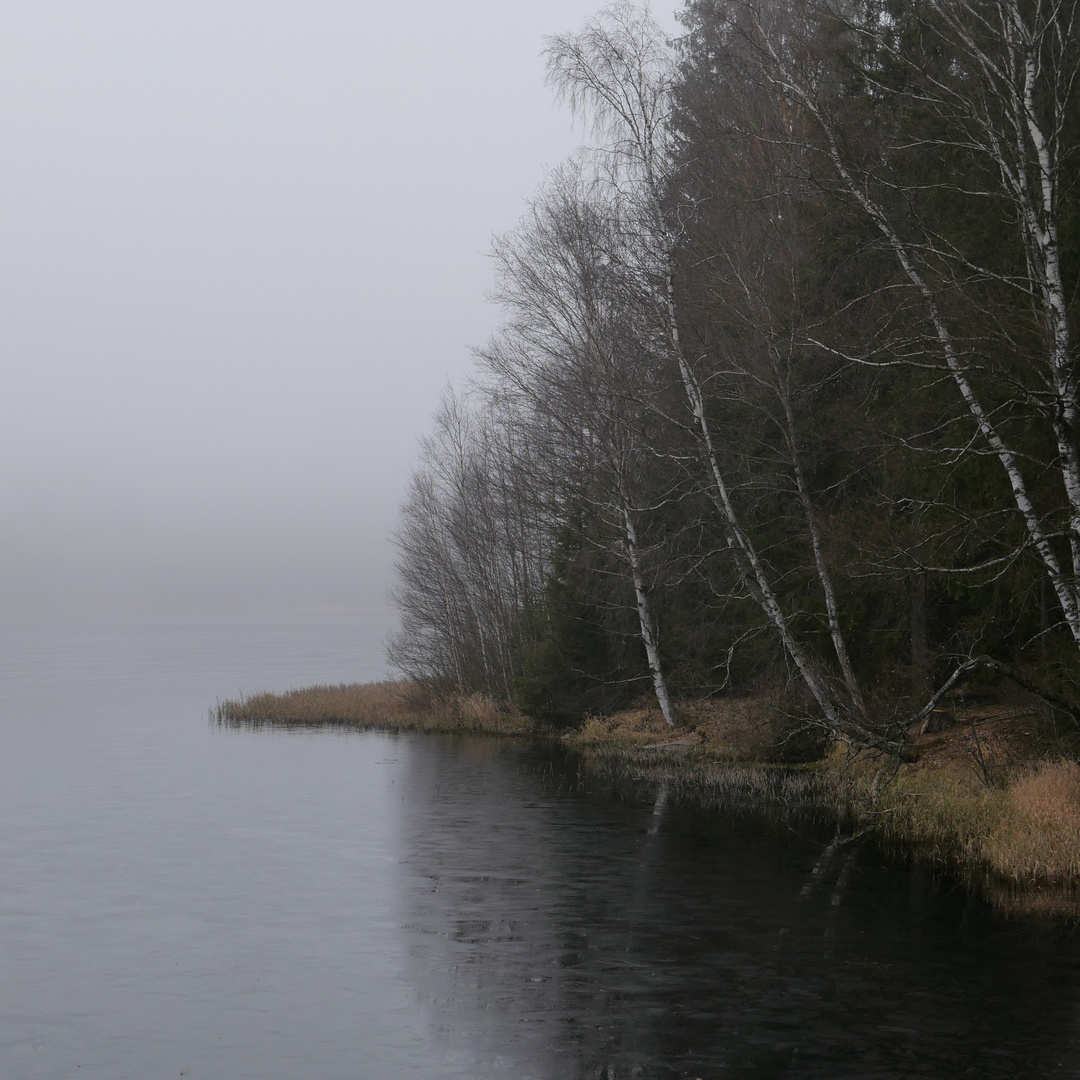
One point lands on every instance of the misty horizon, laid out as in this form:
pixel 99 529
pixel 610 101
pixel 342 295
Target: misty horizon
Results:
pixel 245 248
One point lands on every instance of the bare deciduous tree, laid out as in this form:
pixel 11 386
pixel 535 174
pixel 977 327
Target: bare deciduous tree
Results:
pixel 621 72
pixel 572 351
pixel 993 83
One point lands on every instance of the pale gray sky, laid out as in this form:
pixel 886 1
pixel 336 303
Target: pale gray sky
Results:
pixel 242 248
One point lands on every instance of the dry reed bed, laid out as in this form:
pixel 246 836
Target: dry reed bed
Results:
pixel 1024 831
pixel 386 706
pixel 720 786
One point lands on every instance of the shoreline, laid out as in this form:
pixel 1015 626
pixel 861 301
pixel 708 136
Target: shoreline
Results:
pixel 994 797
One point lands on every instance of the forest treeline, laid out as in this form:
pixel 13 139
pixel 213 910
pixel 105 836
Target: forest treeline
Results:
pixel 785 396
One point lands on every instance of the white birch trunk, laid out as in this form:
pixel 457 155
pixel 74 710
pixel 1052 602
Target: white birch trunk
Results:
pixel 740 544
pixel 619 75
pixel 1064 588
pixel 645 619
pixel 824 576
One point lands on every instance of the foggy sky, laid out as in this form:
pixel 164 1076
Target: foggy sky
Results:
pixel 242 249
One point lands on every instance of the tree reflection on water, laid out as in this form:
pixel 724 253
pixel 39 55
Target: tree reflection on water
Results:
pixel 555 932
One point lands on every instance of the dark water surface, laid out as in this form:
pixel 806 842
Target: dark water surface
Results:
pixel 181 900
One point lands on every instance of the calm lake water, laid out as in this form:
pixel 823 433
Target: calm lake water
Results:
pixel 181 900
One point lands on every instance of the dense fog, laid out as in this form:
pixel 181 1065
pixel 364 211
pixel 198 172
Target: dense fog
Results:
pixel 243 249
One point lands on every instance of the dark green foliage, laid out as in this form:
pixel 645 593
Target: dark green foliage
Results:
pixel 897 469
pixel 575 666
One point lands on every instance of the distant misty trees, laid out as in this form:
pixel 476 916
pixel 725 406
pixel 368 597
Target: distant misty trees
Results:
pixel 786 391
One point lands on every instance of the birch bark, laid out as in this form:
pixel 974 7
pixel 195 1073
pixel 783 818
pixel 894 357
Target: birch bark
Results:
pixel 620 67
pixel 1063 580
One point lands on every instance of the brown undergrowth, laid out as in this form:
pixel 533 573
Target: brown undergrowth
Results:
pixel 720 757
pixel 996 794
pixel 729 729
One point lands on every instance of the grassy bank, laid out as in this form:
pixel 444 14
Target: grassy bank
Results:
pixel 996 795
pixel 1025 831
pixel 993 796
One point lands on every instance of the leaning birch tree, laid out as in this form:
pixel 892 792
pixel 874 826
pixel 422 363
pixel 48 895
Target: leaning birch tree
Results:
pixel 619 71
pixel 986 96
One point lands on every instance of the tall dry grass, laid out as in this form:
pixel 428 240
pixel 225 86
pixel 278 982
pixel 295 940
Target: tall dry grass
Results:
pixel 1039 839
pixel 724 786
pixel 387 706
pixel 1025 832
